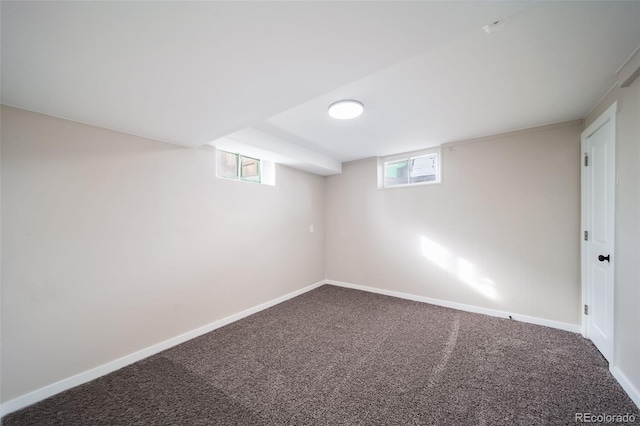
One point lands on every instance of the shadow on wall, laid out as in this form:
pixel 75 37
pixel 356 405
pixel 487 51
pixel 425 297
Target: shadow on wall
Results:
pixel 464 270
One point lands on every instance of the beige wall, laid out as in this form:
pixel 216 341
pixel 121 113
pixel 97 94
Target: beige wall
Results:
pixel 501 232
pixel 112 243
pixel 627 280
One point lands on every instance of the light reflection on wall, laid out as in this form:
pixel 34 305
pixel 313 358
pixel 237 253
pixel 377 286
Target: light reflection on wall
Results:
pixel 464 270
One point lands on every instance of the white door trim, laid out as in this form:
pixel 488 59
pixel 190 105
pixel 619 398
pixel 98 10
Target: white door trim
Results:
pixel 607 116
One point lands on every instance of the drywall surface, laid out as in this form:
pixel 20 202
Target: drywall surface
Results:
pixel 501 232
pixel 112 243
pixel 627 252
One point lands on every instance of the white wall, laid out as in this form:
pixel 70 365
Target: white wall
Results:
pixel 112 243
pixel 501 232
pixel 627 281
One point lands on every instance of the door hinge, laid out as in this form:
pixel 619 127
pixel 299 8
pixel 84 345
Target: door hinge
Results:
pixel 586 309
pixel 586 235
pixel 586 159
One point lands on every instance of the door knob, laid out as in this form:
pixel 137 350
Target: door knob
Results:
pixel 602 258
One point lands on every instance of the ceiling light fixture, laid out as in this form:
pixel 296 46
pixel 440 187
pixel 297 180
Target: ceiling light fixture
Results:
pixel 346 109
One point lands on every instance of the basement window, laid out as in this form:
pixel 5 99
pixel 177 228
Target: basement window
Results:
pixel 413 168
pixel 236 166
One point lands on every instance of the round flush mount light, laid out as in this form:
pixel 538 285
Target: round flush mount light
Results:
pixel 346 109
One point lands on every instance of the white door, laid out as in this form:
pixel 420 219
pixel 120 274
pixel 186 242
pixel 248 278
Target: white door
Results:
pixel 598 220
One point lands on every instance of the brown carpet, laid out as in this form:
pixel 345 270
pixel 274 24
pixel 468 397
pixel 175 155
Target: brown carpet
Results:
pixel 336 356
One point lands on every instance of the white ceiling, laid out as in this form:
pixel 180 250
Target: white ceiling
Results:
pixel 263 73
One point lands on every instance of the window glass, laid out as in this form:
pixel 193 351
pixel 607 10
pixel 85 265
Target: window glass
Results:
pixel 249 169
pixel 396 172
pixel 423 169
pixel 244 168
pixel 413 168
pixel 227 165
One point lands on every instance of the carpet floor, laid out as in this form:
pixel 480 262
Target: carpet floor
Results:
pixel 336 356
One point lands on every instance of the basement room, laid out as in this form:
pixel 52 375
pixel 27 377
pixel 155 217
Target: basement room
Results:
pixel 319 212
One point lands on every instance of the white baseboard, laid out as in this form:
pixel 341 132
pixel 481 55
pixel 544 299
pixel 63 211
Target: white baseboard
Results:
pixel 626 384
pixel 86 376
pixel 92 374
pixel 575 328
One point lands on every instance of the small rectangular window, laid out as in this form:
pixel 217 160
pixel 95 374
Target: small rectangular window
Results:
pixel 244 168
pixel 421 167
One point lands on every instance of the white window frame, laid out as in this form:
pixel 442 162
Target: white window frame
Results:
pixel 266 169
pixel 408 156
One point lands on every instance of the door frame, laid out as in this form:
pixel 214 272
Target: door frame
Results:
pixel 610 114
